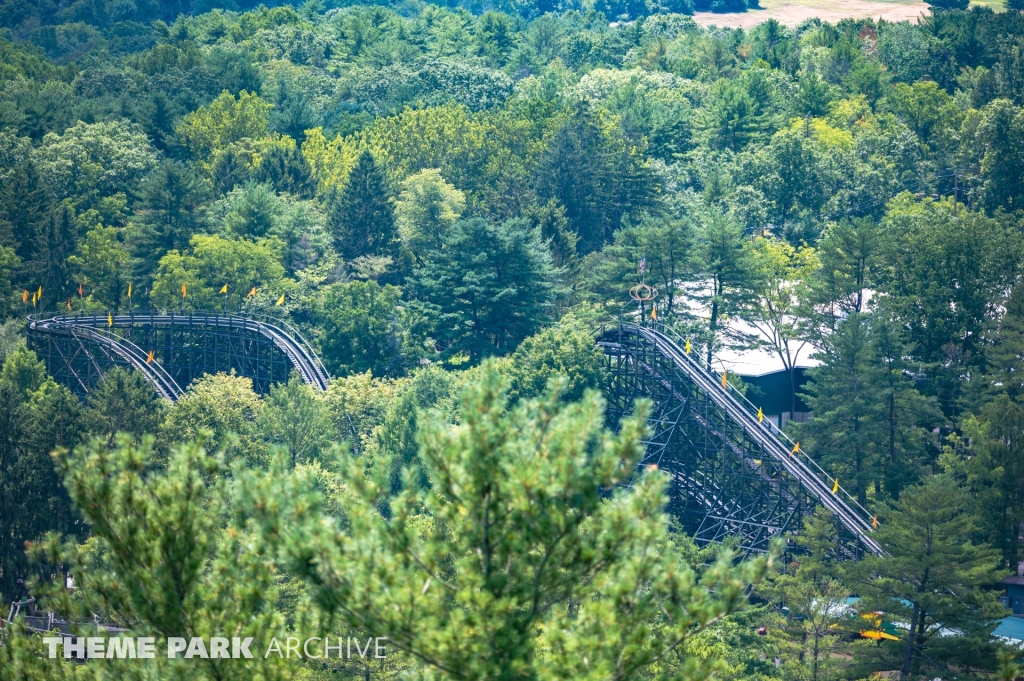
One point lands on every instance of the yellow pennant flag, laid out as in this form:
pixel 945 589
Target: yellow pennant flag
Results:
pixel 39 293
pixel 280 301
pixel 654 313
pixel 687 346
pixel 725 380
pixel 760 415
pixel 110 319
pixel 129 289
pixel 835 486
pixel 24 296
pixel 150 357
pixel 184 291
pixel 796 449
pixel 874 522
pixel 224 288
pixel 251 293
pixel 34 299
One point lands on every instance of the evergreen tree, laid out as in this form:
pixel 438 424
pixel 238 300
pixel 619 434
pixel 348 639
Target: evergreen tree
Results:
pixel 516 562
pixel 554 228
pixel 168 213
pixel 293 113
pixel 287 170
pixel 1005 356
pixel 489 286
pixel 815 597
pixel 59 246
pixel 24 214
pixel 36 416
pixel 122 402
pixel 726 262
pixel 843 396
pixel 851 255
pixel 596 180
pixel 666 244
pixel 905 416
pixel 362 216
pixel 933 575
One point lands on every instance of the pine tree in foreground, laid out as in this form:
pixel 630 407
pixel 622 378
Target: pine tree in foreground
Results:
pixel 515 563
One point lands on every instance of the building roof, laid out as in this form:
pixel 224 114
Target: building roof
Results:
pixel 1013 579
pixel 1011 628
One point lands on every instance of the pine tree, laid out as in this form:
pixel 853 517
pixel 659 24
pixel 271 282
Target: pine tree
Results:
pixel 58 247
pixel 1005 356
pixel 905 416
pixel 288 170
pixel 597 180
pixel 488 287
pixel 816 598
pixel 168 213
pixel 524 558
pixel 122 402
pixel 933 575
pixel 851 261
pixel 24 213
pixel 843 396
pixel 725 259
pixel 362 215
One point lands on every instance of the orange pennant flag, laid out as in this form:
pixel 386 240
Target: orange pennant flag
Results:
pixel 184 291
pixel 80 289
pixel 874 522
pixel 725 380
pixel 150 357
pixel 796 449
pixel 24 296
pixel 251 293
pixel 654 313
pixel 69 303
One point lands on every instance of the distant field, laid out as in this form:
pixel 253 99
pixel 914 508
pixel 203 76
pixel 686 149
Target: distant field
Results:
pixel 792 12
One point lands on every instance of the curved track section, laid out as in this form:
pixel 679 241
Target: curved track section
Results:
pixel 79 348
pixel 732 476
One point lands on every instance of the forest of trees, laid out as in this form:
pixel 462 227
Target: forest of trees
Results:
pixel 449 201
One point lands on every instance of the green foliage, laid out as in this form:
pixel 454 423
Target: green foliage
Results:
pixel 90 161
pixel 487 287
pixel 364 328
pixel 164 559
pixel 122 402
pixel 426 210
pixel 362 218
pixel 935 573
pixel 512 534
pixel 294 416
pixel 213 262
pixel 566 350
pixel 36 416
pixel 224 408
pixel 227 119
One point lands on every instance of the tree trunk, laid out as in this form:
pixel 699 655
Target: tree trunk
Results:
pixel 908 656
pixel 713 326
